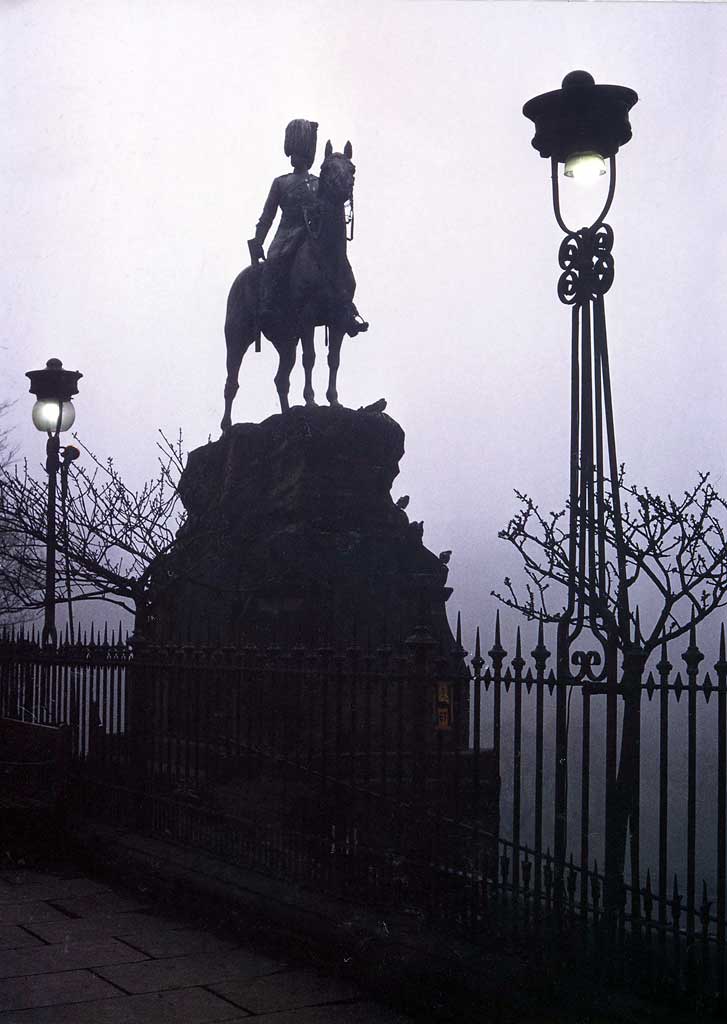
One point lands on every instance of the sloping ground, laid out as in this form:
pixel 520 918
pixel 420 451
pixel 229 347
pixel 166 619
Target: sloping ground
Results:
pixel 426 973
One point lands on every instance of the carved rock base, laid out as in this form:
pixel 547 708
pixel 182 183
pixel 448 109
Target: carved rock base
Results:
pixel 292 534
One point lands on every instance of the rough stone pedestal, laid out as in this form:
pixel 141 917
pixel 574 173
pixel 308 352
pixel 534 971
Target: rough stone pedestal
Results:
pixel 292 533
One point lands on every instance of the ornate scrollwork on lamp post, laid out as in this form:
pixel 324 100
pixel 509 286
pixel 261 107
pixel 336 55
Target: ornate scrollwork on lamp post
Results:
pixel 582 125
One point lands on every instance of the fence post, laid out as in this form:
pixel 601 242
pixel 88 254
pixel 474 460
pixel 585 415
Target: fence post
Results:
pixel 138 724
pixel 664 668
pixel 518 664
pixel 721 670
pixel 420 645
pixel 560 808
pixel 692 657
pixel 540 656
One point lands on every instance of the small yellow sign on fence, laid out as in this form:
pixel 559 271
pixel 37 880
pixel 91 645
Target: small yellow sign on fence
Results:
pixel 443 710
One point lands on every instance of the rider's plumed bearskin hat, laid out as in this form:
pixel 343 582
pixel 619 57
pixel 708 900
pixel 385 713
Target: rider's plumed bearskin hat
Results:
pixel 300 139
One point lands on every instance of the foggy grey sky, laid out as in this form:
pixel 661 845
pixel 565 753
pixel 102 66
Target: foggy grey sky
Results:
pixel 139 140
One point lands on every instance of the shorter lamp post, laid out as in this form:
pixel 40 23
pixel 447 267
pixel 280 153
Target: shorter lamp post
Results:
pixel 53 413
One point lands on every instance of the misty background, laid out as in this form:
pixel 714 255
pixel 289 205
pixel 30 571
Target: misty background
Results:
pixel 139 140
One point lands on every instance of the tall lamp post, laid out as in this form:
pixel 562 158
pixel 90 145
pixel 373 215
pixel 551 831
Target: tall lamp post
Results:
pixel 582 125
pixel 52 413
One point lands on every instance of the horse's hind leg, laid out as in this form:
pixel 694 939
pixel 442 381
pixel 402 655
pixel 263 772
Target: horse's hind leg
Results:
pixel 309 358
pixel 237 346
pixel 335 337
pixel 286 357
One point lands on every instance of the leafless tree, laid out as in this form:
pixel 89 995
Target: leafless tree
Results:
pixel 7 452
pixel 8 603
pixel 109 534
pixel 676 561
pixel 675 552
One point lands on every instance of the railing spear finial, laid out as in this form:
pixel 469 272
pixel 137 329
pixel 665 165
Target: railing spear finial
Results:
pixel 477 661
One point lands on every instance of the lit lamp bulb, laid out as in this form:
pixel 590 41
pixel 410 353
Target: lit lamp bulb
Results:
pixel 45 415
pixel 585 168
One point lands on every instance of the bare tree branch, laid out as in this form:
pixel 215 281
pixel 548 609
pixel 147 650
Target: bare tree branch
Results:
pixel 675 550
pixel 111 533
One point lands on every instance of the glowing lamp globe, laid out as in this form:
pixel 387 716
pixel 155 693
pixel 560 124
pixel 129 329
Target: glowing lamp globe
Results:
pixel 585 168
pixel 53 388
pixel 46 412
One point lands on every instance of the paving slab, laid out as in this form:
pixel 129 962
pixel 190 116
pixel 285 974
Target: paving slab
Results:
pixel 30 913
pixel 12 936
pixel 286 990
pixel 98 903
pixel 98 926
pixel 340 1013
pixel 25 884
pixel 178 943
pixel 19 875
pixel 189 971
pixel 186 1006
pixel 66 957
pixel 47 989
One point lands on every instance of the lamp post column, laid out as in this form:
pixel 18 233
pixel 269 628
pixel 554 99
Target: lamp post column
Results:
pixel 50 635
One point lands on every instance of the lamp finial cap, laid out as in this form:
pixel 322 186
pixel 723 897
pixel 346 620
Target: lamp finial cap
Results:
pixel 577 78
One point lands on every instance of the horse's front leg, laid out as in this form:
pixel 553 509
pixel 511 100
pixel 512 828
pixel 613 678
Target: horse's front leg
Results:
pixel 307 339
pixel 237 346
pixel 335 337
pixel 286 361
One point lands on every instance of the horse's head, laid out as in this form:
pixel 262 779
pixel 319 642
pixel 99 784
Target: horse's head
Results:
pixel 337 174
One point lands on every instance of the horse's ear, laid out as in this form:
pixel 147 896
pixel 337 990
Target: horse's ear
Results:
pixel 348 150
pixel 329 149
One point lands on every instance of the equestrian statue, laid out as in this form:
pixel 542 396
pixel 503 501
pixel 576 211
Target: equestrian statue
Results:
pixel 306 280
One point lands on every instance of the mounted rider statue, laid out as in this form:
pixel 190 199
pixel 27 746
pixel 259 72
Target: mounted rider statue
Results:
pixel 295 195
pixel 306 280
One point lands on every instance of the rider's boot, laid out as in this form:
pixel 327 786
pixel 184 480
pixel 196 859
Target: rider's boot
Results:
pixel 266 310
pixel 270 297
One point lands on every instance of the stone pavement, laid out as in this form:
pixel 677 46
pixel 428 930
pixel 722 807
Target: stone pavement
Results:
pixel 76 951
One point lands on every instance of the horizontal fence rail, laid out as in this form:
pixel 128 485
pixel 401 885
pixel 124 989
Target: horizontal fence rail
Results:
pixel 414 777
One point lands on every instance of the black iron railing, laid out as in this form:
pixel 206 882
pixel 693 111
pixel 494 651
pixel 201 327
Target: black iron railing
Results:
pixel 403 778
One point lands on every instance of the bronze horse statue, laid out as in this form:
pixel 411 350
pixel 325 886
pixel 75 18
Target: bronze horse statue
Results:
pixel 320 290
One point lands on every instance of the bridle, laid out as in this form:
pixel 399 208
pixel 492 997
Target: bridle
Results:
pixel 313 228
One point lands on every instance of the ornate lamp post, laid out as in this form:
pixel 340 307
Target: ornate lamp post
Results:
pixel 582 125
pixel 53 413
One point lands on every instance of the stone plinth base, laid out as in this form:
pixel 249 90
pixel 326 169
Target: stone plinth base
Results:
pixel 292 533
